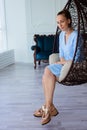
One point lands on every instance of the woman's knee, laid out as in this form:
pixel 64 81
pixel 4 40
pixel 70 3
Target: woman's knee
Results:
pixel 48 74
pixel 47 71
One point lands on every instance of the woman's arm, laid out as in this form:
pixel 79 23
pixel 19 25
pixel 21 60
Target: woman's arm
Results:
pixel 62 61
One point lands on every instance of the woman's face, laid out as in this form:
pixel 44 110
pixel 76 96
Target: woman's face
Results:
pixel 62 22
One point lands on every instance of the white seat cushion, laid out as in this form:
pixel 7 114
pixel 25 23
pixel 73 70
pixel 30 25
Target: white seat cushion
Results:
pixel 64 71
pixel 53 58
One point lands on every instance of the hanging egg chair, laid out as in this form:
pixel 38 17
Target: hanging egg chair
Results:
pixel 77 73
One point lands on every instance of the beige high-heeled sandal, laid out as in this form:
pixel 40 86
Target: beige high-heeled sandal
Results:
pixel 38 113
pixel 46 118
pixel 53 111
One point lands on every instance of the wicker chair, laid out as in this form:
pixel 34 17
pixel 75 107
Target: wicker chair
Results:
pixel 78 71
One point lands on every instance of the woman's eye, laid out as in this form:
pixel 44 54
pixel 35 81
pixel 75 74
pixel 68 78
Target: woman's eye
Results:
pixel 60 22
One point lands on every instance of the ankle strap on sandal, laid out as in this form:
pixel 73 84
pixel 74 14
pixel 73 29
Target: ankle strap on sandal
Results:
pixel 45 109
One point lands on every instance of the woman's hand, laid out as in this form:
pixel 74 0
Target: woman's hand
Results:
pixel 62 61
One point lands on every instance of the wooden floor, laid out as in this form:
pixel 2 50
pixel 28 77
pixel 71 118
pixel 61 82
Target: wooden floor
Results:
pixel 21 93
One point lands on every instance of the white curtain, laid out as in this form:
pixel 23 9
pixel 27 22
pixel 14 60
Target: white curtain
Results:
pixel 3 41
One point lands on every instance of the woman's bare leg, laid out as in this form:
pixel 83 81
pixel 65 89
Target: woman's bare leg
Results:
pixel 48 110
pixel 48 82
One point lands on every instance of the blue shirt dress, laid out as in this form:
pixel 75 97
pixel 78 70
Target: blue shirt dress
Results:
pixel 66 51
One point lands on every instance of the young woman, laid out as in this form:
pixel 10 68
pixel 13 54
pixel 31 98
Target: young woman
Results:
pixel 67 44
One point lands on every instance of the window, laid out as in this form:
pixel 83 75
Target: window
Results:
pixel 3 45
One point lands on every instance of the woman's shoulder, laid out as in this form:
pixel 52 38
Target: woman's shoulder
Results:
pixel 75 31
pixel 73 34
pixel 62 33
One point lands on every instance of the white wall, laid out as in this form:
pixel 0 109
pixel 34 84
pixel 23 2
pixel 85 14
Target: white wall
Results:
pixel 16 28
pixel 24 18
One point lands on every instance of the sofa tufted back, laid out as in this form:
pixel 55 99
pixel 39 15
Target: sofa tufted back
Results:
pixel 44 42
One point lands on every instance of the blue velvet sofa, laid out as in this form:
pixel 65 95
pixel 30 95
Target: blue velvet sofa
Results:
pixel 43 48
